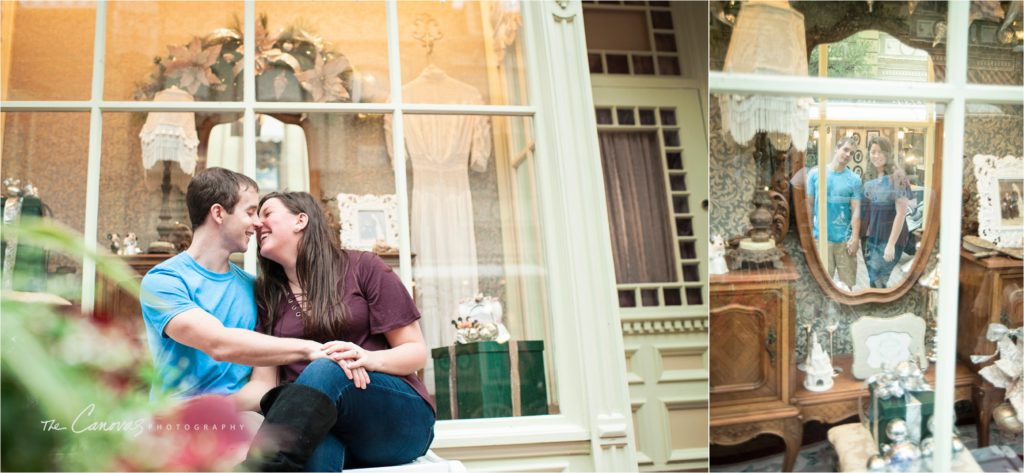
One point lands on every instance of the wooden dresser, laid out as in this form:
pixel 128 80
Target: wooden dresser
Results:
pixel 752 344
pixel 990 291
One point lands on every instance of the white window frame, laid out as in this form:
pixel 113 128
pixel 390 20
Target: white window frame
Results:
pixel 954 93
pixel 594 409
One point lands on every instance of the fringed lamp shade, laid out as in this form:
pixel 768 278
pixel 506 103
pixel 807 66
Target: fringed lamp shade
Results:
pixel 768 39
pixel 170 136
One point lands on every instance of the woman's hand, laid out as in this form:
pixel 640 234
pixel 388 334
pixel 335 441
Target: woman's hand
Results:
pixel 351 355
pixel 890 253
pixel 357 373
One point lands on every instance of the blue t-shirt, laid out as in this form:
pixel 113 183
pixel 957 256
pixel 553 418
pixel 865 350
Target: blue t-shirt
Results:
pixel 842 187
pixel 179 284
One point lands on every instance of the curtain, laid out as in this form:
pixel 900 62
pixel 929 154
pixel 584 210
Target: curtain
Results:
pixel 638 214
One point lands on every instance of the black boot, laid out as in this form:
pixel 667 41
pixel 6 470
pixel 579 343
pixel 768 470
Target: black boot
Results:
pixel 297 417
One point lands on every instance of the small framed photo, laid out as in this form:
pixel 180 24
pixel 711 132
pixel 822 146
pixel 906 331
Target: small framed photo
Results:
pixel 368 219
pixel 872 134
pixel 1000 199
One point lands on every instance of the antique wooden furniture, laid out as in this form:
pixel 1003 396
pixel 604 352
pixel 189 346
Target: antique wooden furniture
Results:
pixel 845 398
pixel 751 386
pixel 990 291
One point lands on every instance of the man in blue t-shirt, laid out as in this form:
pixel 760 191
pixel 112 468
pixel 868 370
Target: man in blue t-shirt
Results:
pixel 199 308
pixel 844 193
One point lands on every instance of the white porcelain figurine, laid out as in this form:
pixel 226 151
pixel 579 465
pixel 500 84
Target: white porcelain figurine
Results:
pixel 716 255
pixel 819 368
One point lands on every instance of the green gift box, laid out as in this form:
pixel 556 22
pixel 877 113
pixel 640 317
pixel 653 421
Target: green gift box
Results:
pixel 484 383
pixel 914 408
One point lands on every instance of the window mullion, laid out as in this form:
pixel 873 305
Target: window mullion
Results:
pixel 949 234
pixel 92 186
pixel 398 146
pixel 249 116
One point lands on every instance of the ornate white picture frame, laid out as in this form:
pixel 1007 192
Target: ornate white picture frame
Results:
pixel 1000 199
pixel 366 219
pixel 881 341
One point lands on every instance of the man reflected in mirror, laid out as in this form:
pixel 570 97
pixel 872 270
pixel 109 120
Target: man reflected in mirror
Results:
pixel 843 195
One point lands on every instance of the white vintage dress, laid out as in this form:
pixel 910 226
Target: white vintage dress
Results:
pixel 442 149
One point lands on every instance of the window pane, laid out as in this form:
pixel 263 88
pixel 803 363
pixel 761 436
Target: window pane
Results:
pixel 995 45
pixel 462 52
pixel 55 164
pixel 140 33
pixel 47 50
pixel 348 37
pixel 475 230
pixel 626 35
pixel 748 38
pixel 142 190
pixel 991 130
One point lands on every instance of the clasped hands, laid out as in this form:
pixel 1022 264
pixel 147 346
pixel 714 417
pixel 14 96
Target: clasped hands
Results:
pixel 353 359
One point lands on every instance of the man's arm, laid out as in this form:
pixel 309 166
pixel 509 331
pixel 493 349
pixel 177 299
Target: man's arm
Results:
pixel 263 379
pixel 202 331
pixel 854 243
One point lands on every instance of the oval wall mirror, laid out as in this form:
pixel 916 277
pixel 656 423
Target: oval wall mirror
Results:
pixel 880 198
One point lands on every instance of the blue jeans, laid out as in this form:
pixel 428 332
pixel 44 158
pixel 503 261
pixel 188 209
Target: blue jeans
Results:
pixel 879 269
pixel 386 424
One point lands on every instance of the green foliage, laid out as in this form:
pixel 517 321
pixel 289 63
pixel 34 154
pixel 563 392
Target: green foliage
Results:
pixel 849 58
pixel 63 367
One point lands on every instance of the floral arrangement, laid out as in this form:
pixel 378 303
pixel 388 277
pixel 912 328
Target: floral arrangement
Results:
pixel 291 65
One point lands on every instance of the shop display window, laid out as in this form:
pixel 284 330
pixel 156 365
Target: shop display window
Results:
pixel 455 209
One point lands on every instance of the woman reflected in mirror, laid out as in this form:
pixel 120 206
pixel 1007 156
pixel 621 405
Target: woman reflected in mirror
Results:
pixel 887 196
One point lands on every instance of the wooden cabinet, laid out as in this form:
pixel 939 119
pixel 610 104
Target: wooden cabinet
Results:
pixel 752 344
pixel 991 290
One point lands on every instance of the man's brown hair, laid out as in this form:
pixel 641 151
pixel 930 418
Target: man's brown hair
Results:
pixel 215 186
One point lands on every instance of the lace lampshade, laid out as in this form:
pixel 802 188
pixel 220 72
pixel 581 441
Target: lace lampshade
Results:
pixel 170 136
pixel 768 39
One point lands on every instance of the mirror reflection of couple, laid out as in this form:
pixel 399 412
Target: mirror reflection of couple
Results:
pixel 325 343
pixel 871 217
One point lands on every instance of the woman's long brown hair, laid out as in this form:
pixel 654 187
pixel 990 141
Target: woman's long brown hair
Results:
pixel 897 177
pixel 320 267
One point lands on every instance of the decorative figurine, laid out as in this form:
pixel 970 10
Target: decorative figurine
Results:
pixel 716 255
pixel 130 245
pixel 115 243
pixel 819 368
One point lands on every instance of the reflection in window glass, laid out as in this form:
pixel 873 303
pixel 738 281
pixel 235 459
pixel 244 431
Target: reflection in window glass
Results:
pixel 195 46
pixel 995 53
pixel 874 50
pixel 46 50
pixel 471 51
pixel 54 165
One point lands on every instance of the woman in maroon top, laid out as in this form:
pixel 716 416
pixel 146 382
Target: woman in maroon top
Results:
pixel 363 406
